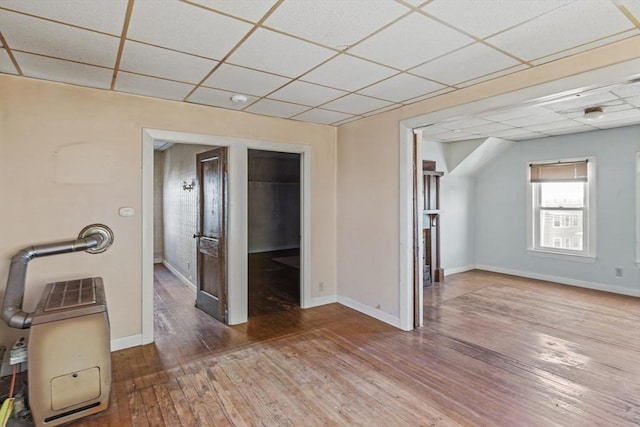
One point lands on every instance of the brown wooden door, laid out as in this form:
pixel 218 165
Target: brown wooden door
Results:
pixel 211 237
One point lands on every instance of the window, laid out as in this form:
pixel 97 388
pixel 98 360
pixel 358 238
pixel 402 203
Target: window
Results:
pixel 561 193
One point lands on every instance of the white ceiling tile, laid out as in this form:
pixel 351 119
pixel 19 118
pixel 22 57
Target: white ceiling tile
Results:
pixel 581 101
pixel 465 64
pixel 306 93
pixel 150 86
pixel 185 27
pixel 273 52
pixel 244 81
pixel 619 123
pixel 465 123
pixel 435 129
pixel 510 133
pixel 60 41
pixel 513 113
pixel 633 100
pixel 356 104
pixel 100 15
pixel 487 129
pixel 563 28
pixel 411 41
pixel 632 6
pixel 318 115
pixel 454 135
pixel 401 87
pixel 547 127
pixel 217 98
pixel 350 20
pixel 268 107
pixel 251 10
pixel 430 95
pixel 534 120
pixel 6 66
pixel 484 17
pixel 40 67
pixel 348 73
pixel 169 64
pixel 627 91
pixel 492 76
pixel 570 130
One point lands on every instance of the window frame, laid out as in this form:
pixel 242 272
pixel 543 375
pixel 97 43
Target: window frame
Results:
pixel 589 214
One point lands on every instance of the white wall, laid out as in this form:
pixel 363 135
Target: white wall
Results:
pixel 501 235
pixel 457 205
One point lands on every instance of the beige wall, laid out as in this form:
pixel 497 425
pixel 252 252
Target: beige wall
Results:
pixel 369 170
pixel 47 128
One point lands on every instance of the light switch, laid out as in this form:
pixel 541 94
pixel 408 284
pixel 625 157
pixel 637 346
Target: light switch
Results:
pixel 126 211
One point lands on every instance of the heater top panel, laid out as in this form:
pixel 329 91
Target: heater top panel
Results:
pixel 71 298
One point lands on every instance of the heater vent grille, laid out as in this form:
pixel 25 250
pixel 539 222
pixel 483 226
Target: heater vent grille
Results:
pixel 72 293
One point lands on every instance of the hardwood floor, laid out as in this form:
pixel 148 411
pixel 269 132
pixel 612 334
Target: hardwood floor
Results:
pixel 496 351
pixel 273 286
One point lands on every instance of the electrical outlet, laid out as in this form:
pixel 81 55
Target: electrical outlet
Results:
pixel 619 272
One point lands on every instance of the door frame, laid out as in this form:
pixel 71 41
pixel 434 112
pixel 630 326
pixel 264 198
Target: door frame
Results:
pixel 237 227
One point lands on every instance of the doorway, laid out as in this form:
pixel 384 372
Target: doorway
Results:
pixel 237 262
pixel 274 231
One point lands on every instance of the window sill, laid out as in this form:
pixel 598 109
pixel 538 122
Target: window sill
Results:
pixel 563 256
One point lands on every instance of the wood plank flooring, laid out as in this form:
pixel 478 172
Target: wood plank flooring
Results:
pixel 495 350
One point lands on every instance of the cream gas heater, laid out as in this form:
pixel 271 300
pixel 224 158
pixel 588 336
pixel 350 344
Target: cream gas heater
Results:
pixel 69 358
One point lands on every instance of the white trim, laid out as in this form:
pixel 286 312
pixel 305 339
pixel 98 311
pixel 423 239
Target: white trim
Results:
pixel 562 255
pixel 323 300
pixel 405 231
pixel 451 271
pixel 157 260
pixel 370 311
pixel 180 276
pixel 638 209
pixel 238 218
pixel 126 342
pixel 562 280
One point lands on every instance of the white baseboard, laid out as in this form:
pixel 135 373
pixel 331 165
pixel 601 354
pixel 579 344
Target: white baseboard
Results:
pixel 126 342
pixel 370 311
pixel 562 280
pixel 323 300
pixel 157 260
pixel 452 271
pixel 180 276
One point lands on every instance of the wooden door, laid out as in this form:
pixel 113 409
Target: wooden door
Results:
pixel 212 235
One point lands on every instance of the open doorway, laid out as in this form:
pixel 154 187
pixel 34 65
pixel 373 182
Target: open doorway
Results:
pixel 273 231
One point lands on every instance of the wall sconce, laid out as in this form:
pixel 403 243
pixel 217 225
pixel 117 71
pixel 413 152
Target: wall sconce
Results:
pixel 188 187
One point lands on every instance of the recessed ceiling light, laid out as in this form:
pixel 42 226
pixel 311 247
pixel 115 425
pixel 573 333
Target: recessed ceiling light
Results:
pixel 239 99
pixel 593 113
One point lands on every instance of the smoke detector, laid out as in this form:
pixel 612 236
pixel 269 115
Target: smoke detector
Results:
pixel 593 113
pixel 239 99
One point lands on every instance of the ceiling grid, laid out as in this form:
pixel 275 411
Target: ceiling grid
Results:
pixel 326 61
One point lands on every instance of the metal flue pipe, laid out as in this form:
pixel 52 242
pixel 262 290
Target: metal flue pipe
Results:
pixel 94 238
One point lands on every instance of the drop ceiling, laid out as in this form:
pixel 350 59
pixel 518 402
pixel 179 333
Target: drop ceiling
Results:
pixel 322 61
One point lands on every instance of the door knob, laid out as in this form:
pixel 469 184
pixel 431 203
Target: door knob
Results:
pixel 197 235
